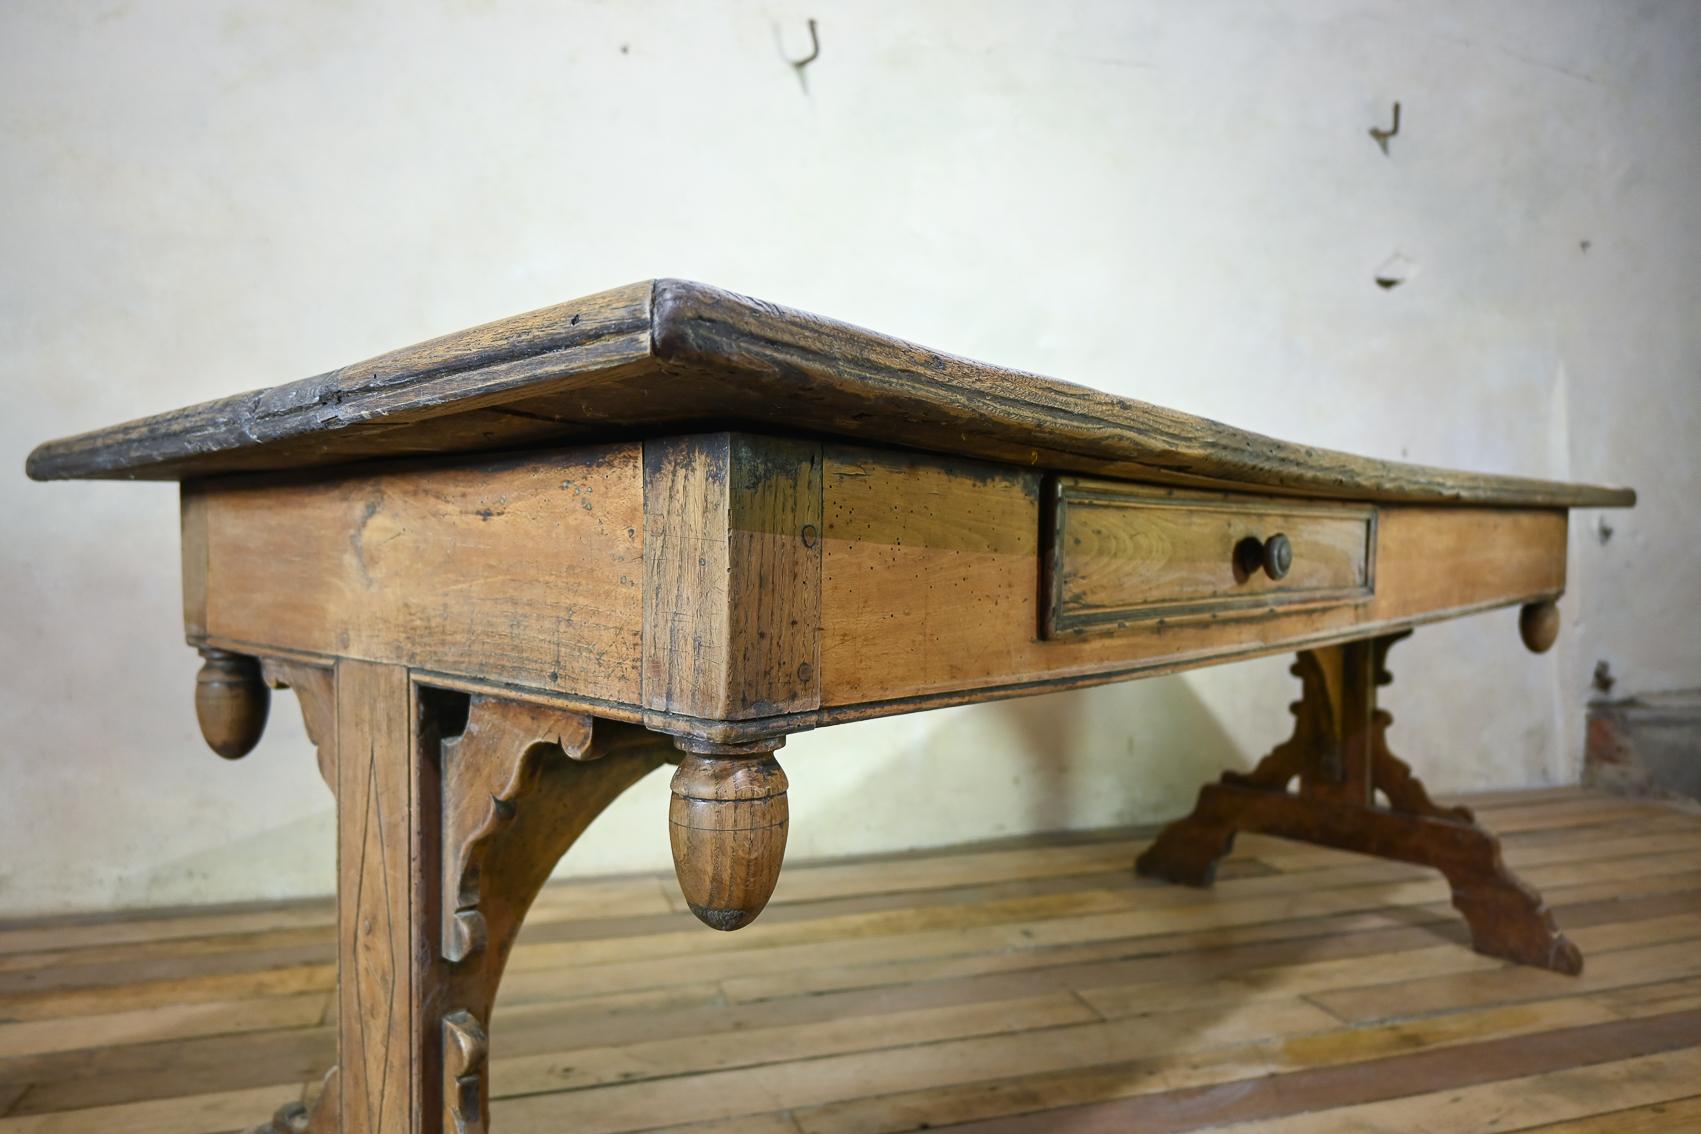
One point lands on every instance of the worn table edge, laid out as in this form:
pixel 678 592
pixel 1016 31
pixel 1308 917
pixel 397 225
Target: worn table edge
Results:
pixel 686 327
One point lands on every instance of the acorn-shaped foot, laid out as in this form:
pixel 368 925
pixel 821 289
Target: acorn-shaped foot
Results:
pixel 727 822
pixel 1538 625
pixel 231 702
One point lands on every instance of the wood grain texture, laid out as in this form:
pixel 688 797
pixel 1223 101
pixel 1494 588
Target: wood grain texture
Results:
pixel 193 544
pixel 379 1042
pixel 666 353
pixel 727 823
pixel 683 588
pixel 231 702
pixel 1499 1083
pixel 449 394
pixel 952 986
pixel 452 811
pixel 863 384
pixel 523 570
pixel 932 586
pixel 1122 553
pixel 732 576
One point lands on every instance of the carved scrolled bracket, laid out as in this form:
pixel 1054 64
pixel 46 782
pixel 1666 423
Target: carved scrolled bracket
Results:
pixel 521 781
pixel 518 785
pixel 487 771
pixel 315 689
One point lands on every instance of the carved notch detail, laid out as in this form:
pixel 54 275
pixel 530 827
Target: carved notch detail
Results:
pixel 465 1050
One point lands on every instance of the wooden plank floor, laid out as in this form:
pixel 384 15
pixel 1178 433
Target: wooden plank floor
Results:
pixel 1013 988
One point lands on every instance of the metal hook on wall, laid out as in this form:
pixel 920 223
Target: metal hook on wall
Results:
pixel 814 53
pixel 1382 136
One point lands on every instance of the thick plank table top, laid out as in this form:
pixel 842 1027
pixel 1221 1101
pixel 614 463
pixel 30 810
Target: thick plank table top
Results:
pixel 666 354
pixel 511 571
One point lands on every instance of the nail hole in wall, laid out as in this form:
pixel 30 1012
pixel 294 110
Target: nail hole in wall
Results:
pixel 1394 271
pixel 1604 680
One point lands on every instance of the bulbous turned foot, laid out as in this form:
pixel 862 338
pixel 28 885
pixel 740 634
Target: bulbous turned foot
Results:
pixel 1538 625
pixel 231 702
pixel 727 822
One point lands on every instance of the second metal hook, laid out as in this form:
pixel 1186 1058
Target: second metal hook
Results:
pixel 1377 133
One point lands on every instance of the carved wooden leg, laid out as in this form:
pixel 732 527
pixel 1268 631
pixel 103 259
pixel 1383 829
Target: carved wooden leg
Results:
pixel 451 813
pixel 520 784
pixel 316 689
pixel 1340 755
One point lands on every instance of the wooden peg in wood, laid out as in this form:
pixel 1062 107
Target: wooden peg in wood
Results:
pixel 727 822
pixel 1538 625
pixel 231 701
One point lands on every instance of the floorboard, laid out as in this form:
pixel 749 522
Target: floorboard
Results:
pixel 1018 987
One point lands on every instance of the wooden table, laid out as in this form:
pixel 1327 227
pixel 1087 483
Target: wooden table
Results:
pixel 509 572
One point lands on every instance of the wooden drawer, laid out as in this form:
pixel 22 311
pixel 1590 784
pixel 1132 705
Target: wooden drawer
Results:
pixel 1121 554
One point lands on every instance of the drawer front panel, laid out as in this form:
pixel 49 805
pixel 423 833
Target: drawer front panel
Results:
pixel 1123 554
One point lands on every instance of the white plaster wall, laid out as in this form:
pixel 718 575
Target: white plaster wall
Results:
pixel 1177 201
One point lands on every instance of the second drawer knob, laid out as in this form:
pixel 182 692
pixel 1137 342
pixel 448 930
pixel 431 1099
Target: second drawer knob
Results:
pixel 1278 556
pixel 1273 556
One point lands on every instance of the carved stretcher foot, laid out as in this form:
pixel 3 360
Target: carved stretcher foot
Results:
pixel 1339 754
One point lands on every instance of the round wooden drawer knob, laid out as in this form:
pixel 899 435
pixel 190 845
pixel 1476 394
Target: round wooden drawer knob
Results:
pixel 231 702
pixel 727 822
pixel 1278 556
pixel 1538 625
pixel 1273 556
